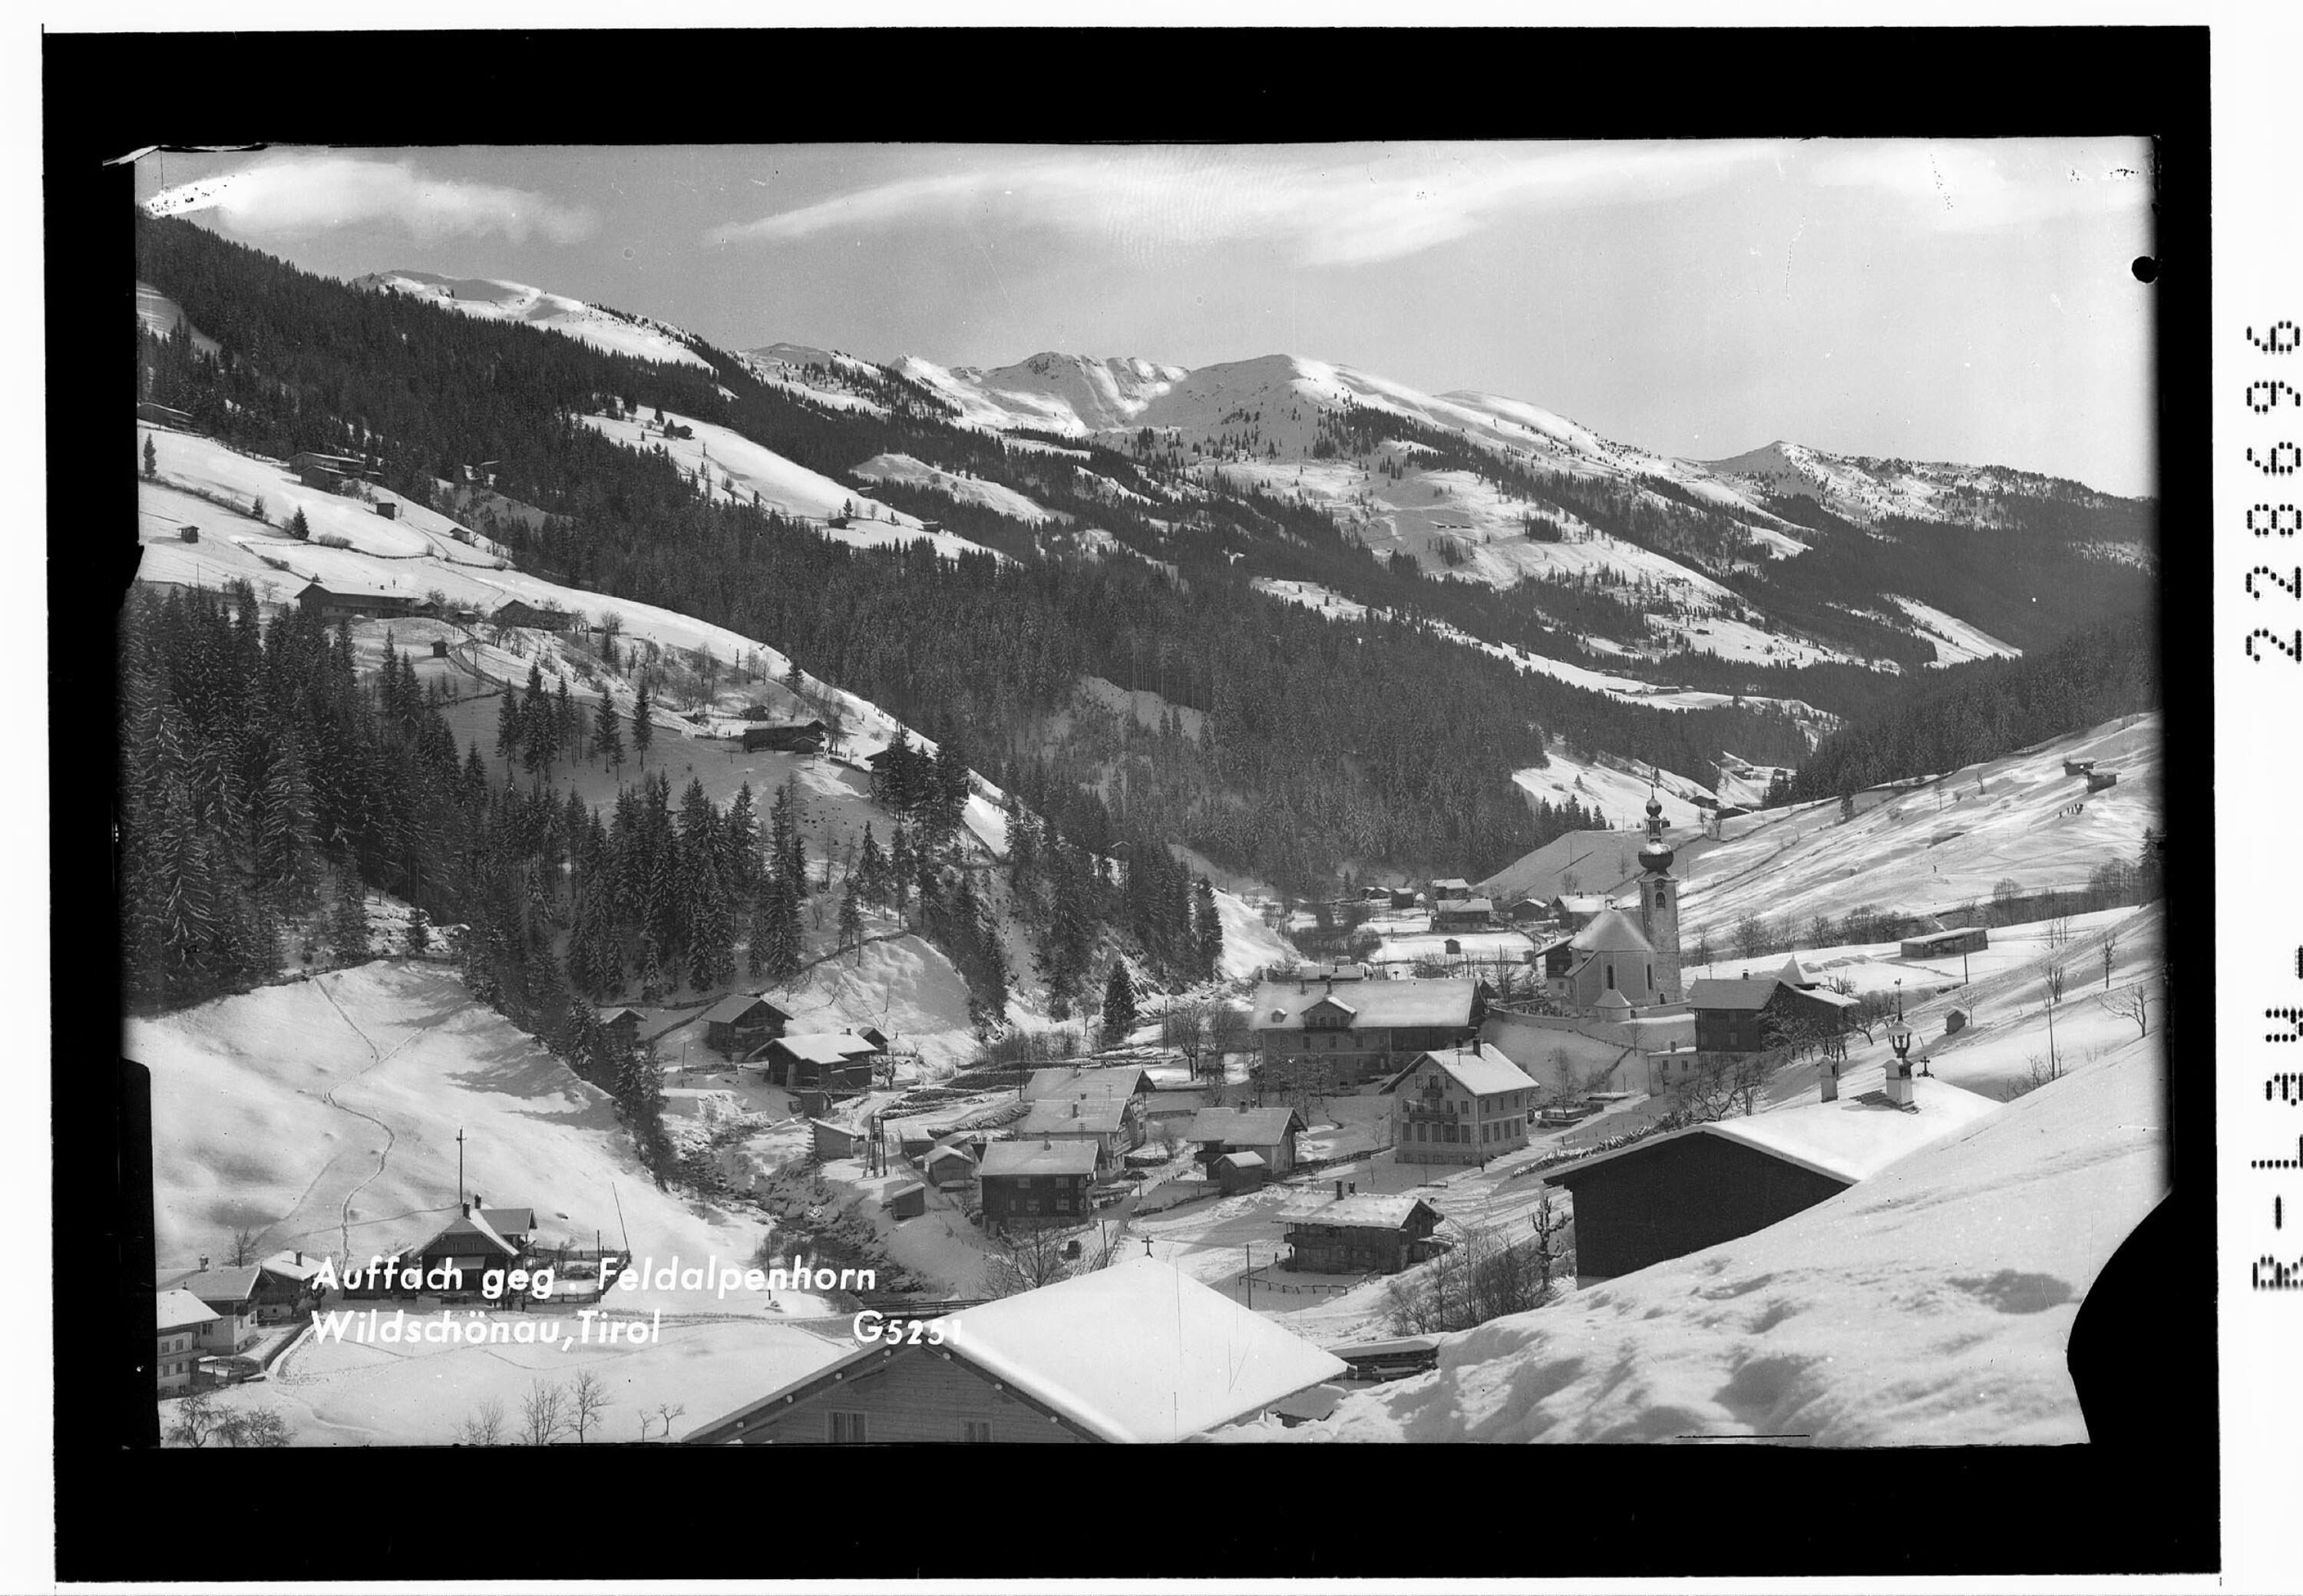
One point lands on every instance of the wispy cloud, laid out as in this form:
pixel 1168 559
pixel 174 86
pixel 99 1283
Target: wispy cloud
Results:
pixel 1980 184
pixel 308 193
pixel 1346 206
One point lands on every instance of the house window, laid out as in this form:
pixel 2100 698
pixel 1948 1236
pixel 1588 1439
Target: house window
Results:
pixel 1650 977
pixel 976 1429
pixel 846 1428
pixel 1611 974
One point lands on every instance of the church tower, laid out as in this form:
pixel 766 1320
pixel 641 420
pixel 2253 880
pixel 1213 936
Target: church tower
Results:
pixel 1659 902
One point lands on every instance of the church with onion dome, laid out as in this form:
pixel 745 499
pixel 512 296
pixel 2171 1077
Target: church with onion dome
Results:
pixel 1627 960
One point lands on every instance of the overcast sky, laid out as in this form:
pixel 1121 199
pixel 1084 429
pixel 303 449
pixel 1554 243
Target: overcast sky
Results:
pixel 1941 300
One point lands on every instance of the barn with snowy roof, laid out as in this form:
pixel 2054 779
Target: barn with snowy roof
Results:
pixel 1136 1353
pixel 1675 1194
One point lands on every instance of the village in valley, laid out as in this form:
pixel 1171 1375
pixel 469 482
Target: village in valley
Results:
pixel 640 935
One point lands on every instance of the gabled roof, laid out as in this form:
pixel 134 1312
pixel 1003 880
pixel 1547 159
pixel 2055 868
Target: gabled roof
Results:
pixel 1461 887
pixel 464 1230
pixel 354 589
pixel 509 1221
pixel 1612 932
pixel 1580 904
pixel 1368 1211
pixel 1241 1161
pixel 1244 1127
pixel 180 1310
pixel 1279 1005
pixel 1793 973
pixel 283 1263
pixel 1066 1157
pixel 823 1048
pixel 1074 1116
pixel 1479 1070
pixel 1749 995
pixel 735 1007
pixel 234 1283
pixel 943 1149
pixel 1848 1140
pixel 1465 906
pixel 1137 1352
pixel 609 1016
pixel 1070 1080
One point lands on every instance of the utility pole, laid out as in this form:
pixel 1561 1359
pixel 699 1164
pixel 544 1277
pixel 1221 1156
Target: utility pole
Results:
pixel 460 1166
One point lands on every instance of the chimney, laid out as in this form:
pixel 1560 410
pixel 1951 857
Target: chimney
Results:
pixel 1828 1074
pixel 300 1257
pixel 1339 1191
pixel 204 1261
pixel 1899 1084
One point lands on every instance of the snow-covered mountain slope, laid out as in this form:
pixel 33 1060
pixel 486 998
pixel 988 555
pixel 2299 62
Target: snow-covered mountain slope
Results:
pixel 162 315
pixel 1938 846
pixel 492 298
pixel 1071 395
pixel 1862 488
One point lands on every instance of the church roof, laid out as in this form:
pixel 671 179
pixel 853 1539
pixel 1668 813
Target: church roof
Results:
pixel 1612 932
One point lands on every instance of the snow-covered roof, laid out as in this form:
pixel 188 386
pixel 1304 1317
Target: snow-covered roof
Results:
pixel 348 588
pixel 1244 1127
pixel 1710 992
pixel 1612 999
pixel 1368 1211
pixel 509 1221
pixel 1139 1352
pixel 1614 931
pixel 1279 1005
pixel 234 1283
pixel 1849 1139
pixel 1481 1070
pixel 1465 906
pixel 1794 973
pixel 823 1048
pixel 179 1309
pixel 1581 904
pixel 943 1149
pixel 1067 1157
pixel 1068 1080
pixel 733 1007
pixel 285 1263
pixel 463 1225
pixel 1074 1116
pixel 1241 1161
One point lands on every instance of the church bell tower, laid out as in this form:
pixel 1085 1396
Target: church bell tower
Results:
pixel 1659 901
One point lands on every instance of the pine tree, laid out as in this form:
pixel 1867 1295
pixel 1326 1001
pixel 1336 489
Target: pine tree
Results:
pixel 1206 929
pixel 299 527
pixel 761 934
pixel 419 933
pixel 151 458
pixel 1118 1005
pixel 607 734
pixel 653 987
pixel 643 726
pixel 851 919
pixel 348 926
pixel 872 869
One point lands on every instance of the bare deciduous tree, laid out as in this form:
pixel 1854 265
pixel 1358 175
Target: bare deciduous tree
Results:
pixel 484 1426
pixel 1026 1259
pixel 666 1411
pixel 587 1399
pixel 244 1243
pixel 541 1414
pixel 1484 1275
pixel 254 1427
pixel 193 1422
pixel 2130 1002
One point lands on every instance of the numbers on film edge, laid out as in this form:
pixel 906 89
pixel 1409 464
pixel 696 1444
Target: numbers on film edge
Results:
pixel 2270 1273
pixel 2283 338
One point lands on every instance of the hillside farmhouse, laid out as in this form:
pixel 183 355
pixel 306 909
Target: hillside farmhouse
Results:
pixel 831 1061
pixel 1675 1194
pixel 1364 1233
pixel 1111 1125
pixel 737 1025
pixel 1342 1034
pixel 1136 1353
pixel 184 1319
pixel 1268 1133
pixel 230 1296
pixel 348 601
pixel 806 738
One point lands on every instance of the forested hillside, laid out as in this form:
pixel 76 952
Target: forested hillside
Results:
pixel 1371 741
pixel 1987 708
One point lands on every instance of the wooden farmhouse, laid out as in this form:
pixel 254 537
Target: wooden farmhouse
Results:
pixel 1678 1193
pixel 806 738
pixel 284 1288
pixel 1122 1081
pixel 623 1026
pixel 1364 1233
pixel 1342 1034
pixel 1464 914
pixel 836 1062
pixel 230 1296
pixel 520 613
pixel 352 600
pixel 1268 1133
pixel 1044 1182
pixel 466 1248
pixel 1574 911
pixel 837 1141
pixel 736 1027
pixel 1948 944
pixel 1460 1106
pixel 184 1319
pixel 1752 1015
pixel 1136 1353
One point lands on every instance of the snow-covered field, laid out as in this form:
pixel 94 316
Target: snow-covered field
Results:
pixel 491 299
pixel 1956 642
pixel 966 490
pixel 2019 818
